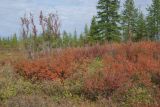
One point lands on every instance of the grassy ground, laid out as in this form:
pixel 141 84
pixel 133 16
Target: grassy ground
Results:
pixel 15 91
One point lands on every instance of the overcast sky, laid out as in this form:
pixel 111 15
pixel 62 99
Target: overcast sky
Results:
pixel 74 14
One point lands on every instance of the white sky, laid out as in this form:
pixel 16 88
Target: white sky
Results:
pixel 74 14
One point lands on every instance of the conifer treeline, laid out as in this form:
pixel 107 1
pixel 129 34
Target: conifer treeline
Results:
pixel 128 25
pixel 109 25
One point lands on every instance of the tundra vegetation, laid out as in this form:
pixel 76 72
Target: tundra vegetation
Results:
pixel 114 63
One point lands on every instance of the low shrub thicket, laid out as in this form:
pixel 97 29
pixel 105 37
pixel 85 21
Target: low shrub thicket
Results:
pixel 105 69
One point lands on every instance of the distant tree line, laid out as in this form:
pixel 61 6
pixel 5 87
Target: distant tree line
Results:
pixel 10 42
pixel 109 25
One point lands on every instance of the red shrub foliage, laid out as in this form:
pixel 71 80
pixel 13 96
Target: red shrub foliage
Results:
pixel 38 69
pixel 124 64
pixel 121 63
pixel 61 66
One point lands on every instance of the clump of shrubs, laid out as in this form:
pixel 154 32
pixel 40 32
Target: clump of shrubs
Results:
pixel 103 70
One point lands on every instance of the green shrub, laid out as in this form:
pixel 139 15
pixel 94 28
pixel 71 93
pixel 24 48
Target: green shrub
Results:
pixel 95 65
pixel 137 95
pixel 12 85
pixel 7 91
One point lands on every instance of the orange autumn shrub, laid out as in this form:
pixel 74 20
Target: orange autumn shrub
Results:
pixel 61 65
pixel 64 64
pixel 37 70
pixel 142 58
pixel 126 64
pixel 122 62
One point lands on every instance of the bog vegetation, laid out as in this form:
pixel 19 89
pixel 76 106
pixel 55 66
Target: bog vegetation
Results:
pixel 113 63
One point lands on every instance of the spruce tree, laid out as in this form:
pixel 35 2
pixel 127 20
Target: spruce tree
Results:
pixel 86 30
pixel 65 39
pixel 129 18
pixel 74 38
pixel 141 31
pixel 108 19
pixel 153 20
pixel 93 34
pixel 86 33
pixel 14 40
pixel 81 39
